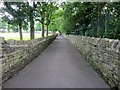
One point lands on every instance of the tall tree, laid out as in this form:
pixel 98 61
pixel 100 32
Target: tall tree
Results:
pixel 16 10
pixel 50 11
pixel 40 14
pixel 57 21
pixel 30 11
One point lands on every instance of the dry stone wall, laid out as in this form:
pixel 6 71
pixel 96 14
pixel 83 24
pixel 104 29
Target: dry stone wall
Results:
pixel 17 54
pixel 102 54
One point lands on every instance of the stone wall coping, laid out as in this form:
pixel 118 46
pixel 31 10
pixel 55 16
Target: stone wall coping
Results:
pixel 1 40
pixel 113 44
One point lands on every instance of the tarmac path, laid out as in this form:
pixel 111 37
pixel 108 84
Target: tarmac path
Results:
pixel 60 65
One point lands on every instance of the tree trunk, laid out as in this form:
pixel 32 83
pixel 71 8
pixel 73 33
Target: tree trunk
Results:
pixel 32 29
pixel 42 27
pixel 20 31
pixel 47 31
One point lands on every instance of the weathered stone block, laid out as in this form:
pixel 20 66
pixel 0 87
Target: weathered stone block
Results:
pixel 1 40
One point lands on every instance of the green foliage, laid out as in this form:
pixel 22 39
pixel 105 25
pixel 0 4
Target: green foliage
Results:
pixel 15 15
pixel 44 14
pixel 50 12
pixel 57 20
pixel 2 24
pixel 95 19
pixel 16 10
pixel 38 27
pixel 14 28
pixel 25 26
pixel 92 19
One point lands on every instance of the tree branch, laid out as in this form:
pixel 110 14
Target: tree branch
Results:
pixel 38 20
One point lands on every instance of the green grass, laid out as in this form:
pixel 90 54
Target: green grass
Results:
pixel 16 36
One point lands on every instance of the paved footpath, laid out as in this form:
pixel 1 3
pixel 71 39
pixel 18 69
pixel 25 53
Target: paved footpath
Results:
pixel 59 66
